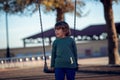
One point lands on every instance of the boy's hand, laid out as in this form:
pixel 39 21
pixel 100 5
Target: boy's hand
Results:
pixel 52 68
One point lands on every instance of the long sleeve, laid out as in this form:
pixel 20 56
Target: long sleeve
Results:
pixel 64 53
pixel 75 51
pixel 53 55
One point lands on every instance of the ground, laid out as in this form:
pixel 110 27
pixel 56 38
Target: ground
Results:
pixel 85 72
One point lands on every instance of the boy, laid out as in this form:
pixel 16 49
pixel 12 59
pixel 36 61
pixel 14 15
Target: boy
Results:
pixel 64 53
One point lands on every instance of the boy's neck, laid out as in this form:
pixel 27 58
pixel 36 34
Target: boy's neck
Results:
pixel 62 37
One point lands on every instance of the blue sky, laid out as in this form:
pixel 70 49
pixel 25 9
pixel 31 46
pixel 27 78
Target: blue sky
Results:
pixel 23 26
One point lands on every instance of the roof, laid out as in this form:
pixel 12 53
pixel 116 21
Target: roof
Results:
pixel 89 31
pixel 50 33
pixel 93 30
pixel 97 30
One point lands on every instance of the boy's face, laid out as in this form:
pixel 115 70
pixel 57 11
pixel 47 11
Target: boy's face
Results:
pixel 59 33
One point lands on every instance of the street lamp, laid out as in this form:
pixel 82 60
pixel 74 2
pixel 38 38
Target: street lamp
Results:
pixel 6 8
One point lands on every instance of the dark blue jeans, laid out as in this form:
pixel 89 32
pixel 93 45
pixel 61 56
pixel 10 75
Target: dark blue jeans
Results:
pixel 60 73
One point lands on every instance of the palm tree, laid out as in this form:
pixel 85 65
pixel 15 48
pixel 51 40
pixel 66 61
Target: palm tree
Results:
pixel 61 7
pixel 113 53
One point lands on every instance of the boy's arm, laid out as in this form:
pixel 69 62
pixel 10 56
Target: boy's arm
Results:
pixel 53 55
pixel 75 51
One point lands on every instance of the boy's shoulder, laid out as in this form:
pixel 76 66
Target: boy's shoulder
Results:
pixel 55 41
pixel 70 38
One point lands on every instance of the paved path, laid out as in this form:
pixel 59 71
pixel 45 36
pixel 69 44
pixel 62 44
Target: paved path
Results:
pixel 84 73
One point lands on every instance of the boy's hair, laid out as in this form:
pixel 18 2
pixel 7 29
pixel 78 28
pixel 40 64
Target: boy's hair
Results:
pixel 64 26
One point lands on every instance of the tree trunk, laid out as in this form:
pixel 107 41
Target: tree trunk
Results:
pixel 113 53
pixel 60 14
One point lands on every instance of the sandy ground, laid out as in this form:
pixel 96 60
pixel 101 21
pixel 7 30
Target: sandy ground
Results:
pixel 94 61
pixel 89 69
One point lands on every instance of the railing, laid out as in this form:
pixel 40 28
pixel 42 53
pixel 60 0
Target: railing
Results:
pixel 22 62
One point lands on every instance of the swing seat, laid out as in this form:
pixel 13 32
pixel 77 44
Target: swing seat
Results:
pixel 46 70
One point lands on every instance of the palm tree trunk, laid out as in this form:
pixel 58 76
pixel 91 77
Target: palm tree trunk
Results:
pixel 113 53
pixel 59 14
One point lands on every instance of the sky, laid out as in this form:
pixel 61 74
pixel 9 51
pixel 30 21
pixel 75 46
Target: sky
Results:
pixel 24 26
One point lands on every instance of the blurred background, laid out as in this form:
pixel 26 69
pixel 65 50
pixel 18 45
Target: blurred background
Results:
pixel 20 27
